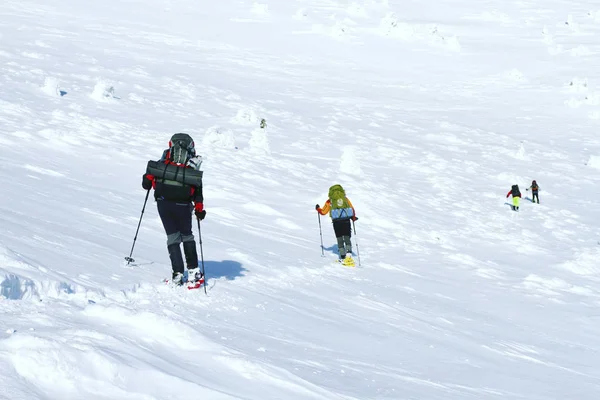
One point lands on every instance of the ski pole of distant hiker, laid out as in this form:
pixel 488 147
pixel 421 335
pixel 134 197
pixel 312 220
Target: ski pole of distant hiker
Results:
pixel 321 233
pixel 129 259
pixel 201 254
pixel 356 240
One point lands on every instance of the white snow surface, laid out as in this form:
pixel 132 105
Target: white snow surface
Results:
pixel 426 114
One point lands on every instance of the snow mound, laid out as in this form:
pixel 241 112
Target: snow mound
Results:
pixel 104 92
pixel 342 28
pixel 391 26
pixel 14 287
pixel 594 162
pixel 595 15
pixel 449 42
pixel 571 24
pixel 349 162
pixel 300 14
pixel 578 85
pixel 51 87
pixel 259 142
pixel 245 116
pixel 547 37
pixel 522 153
pixel 218 137
pixel 592 99
pixel 515 75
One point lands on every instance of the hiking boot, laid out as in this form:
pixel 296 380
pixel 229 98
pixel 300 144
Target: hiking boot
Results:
pixel 195 275
pixel 177 278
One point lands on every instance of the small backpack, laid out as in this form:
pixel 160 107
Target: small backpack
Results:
pixel 181 148
pixel 534 185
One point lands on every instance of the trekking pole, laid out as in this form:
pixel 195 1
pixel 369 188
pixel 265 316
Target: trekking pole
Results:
pixel 201 253
pixel 129 259
pixel 321 233
pixel 355 238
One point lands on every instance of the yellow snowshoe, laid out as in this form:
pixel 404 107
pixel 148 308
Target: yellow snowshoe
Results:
pixel 348 261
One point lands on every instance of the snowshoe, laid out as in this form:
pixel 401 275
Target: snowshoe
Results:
pixel 348 261
pixel 195 278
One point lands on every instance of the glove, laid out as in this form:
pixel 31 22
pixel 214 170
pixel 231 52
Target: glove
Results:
pixel 317 207
pixel 354 218
pixel 147 181
pixel 527 190
pixel 199 211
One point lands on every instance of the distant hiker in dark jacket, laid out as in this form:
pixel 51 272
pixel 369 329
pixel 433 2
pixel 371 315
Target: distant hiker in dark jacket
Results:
pixel 174 200
pixel 341 211
pixel 534 192
pixel 516 195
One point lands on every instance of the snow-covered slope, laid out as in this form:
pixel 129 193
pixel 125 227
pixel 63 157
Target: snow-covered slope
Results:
pixel 427 114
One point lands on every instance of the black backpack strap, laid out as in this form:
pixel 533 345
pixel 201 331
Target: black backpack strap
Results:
pixel 165 171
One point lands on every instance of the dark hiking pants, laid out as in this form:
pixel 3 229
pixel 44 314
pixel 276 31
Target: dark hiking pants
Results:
pixel 177 221
pixel 343 233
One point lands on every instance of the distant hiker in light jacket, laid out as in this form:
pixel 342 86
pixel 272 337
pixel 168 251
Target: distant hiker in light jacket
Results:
pixel 534 192
pixel 341 212
pixel 516 194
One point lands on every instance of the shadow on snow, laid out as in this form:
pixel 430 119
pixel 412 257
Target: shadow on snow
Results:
pixel 228 269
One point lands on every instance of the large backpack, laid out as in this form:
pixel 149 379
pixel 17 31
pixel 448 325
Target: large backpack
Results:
pixel 515 191
pixel 340 208
pixel 181 148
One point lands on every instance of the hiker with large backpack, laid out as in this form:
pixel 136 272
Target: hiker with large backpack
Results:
pixel 534 191
pixel 177 182
pixel 341 211
pixel 516 195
